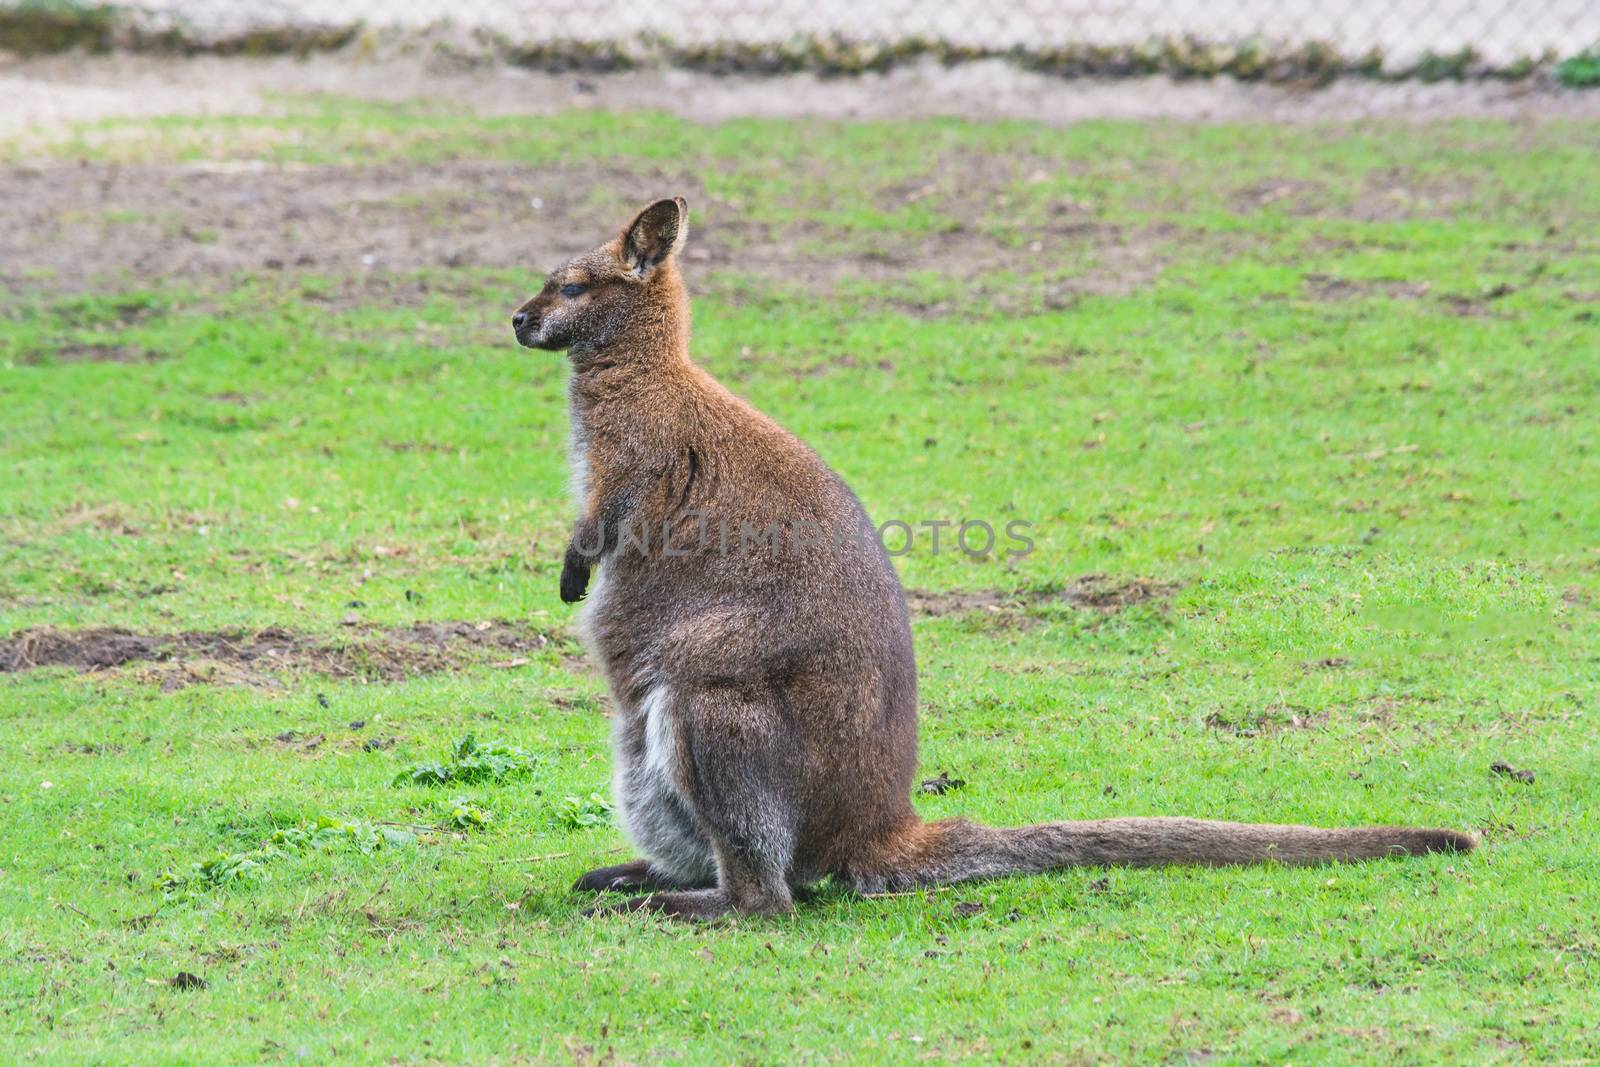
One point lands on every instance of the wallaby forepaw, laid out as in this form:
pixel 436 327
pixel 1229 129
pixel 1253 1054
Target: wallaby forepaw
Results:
pixel 574 582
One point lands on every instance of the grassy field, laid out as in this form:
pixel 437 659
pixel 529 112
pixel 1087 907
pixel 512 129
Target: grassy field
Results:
pixel 1305 421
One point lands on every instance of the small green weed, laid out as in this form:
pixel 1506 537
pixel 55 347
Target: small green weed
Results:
pixel 323 834
pixel 1581 71
pixel 464 813
pixel 581 813
pixel 469 762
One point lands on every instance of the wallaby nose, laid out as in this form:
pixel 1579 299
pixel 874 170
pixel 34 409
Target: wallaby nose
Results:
pixel 519 320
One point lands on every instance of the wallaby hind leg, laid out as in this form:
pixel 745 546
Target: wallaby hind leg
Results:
pixel 633 875
pixel 729 756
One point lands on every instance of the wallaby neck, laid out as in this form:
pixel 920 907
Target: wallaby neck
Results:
pixel 649 349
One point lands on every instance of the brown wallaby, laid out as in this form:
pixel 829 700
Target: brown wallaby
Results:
pixel 754 636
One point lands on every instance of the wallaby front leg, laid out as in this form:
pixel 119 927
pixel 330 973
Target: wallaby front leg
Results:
pixel 596 533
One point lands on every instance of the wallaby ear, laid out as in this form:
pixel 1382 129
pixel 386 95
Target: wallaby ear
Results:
pixel 656 233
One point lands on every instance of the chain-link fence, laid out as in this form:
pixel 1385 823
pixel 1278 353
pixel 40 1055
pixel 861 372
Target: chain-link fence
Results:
pixel 1249 39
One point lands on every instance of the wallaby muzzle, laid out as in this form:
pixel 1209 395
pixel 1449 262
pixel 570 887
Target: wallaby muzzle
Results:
pixel 527 325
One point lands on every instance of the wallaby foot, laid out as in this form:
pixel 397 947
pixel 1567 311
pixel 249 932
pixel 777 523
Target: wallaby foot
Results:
pixel 626 877
pixel 697 905
pixel 636 874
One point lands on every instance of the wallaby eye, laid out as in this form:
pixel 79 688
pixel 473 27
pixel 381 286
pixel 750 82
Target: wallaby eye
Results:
pixel 570 291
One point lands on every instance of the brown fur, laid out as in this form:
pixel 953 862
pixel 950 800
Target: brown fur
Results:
pixel 765 731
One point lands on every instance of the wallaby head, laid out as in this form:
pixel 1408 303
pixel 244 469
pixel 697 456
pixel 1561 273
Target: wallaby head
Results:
pixel 628 284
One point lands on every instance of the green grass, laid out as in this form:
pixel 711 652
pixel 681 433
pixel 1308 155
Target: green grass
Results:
pixel 1581 71
pixel 1375 479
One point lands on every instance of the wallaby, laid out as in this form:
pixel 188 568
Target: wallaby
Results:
pixel 754 637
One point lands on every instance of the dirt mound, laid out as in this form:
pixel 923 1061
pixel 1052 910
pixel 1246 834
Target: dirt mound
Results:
pixel 86 650
pixel 1099 591
pixel 1096 591
pixel 253 657
pixel 81 352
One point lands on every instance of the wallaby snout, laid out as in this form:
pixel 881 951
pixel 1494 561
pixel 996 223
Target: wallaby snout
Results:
pixel 525 323
pixel 526 328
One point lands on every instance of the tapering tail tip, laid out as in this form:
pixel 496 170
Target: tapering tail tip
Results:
pixel 1445 841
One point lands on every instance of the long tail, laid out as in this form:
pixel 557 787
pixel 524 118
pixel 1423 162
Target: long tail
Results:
pixel 956 850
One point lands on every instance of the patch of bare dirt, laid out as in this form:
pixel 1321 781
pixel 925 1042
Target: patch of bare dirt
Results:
pixel 1296 196
pixel 254 657
pixel 978 192
pixel 421 446
pixel 1475 305
pixel 1096 591
pixel 1328 287
pixel 1065 356
pixel 81 352
pixel 1106 594
pixel 960 601
pixel 845 362
pixel 390 233
pixel 364 235
pixel 81 223
pixel 1390 195
pixel 1267 720
pixel 1396 194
